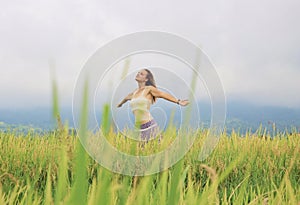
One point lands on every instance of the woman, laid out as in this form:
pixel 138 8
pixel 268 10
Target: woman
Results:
pixel 141 100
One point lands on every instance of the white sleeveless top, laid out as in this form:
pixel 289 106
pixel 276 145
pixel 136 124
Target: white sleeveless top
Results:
pixel 142 104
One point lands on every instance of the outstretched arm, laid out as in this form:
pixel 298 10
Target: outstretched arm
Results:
pixel 160 94
pixel 128 97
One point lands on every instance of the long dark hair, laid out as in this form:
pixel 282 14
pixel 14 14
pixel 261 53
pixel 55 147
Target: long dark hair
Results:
pixel 150 80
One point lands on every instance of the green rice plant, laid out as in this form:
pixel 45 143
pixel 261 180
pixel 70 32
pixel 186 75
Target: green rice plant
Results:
pixel 54 168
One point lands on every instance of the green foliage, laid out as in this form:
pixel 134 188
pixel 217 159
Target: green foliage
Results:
pixel 55 169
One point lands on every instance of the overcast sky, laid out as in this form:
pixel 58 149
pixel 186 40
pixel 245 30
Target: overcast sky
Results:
pixel 254 45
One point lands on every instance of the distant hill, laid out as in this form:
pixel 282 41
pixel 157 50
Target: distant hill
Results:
pixel 246 116
pixel 240 116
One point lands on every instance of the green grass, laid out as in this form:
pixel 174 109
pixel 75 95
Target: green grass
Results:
pixel 55 169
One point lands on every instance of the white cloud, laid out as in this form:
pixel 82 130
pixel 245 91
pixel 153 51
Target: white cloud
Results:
pixel 254 44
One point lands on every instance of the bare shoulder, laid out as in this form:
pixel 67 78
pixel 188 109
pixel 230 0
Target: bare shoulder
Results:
pixel 155 92
pixel 150 87
pixel 130 95
pixel 134 91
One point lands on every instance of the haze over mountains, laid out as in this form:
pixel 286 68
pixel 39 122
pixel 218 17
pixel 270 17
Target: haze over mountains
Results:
pixel 240 116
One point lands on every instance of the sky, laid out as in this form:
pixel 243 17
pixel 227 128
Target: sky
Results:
pixel 254 45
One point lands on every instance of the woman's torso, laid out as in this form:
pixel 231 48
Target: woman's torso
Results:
pixel 140 106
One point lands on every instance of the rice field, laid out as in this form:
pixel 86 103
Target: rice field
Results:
pixel 54 168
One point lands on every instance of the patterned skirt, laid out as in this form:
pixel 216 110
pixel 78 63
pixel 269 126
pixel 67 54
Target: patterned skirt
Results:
pixel 149 130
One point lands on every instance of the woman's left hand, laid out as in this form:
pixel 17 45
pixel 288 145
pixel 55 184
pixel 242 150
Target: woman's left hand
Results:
pixel 183 102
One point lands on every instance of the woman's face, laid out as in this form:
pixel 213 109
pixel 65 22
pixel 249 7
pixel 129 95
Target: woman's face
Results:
pixel 141 76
